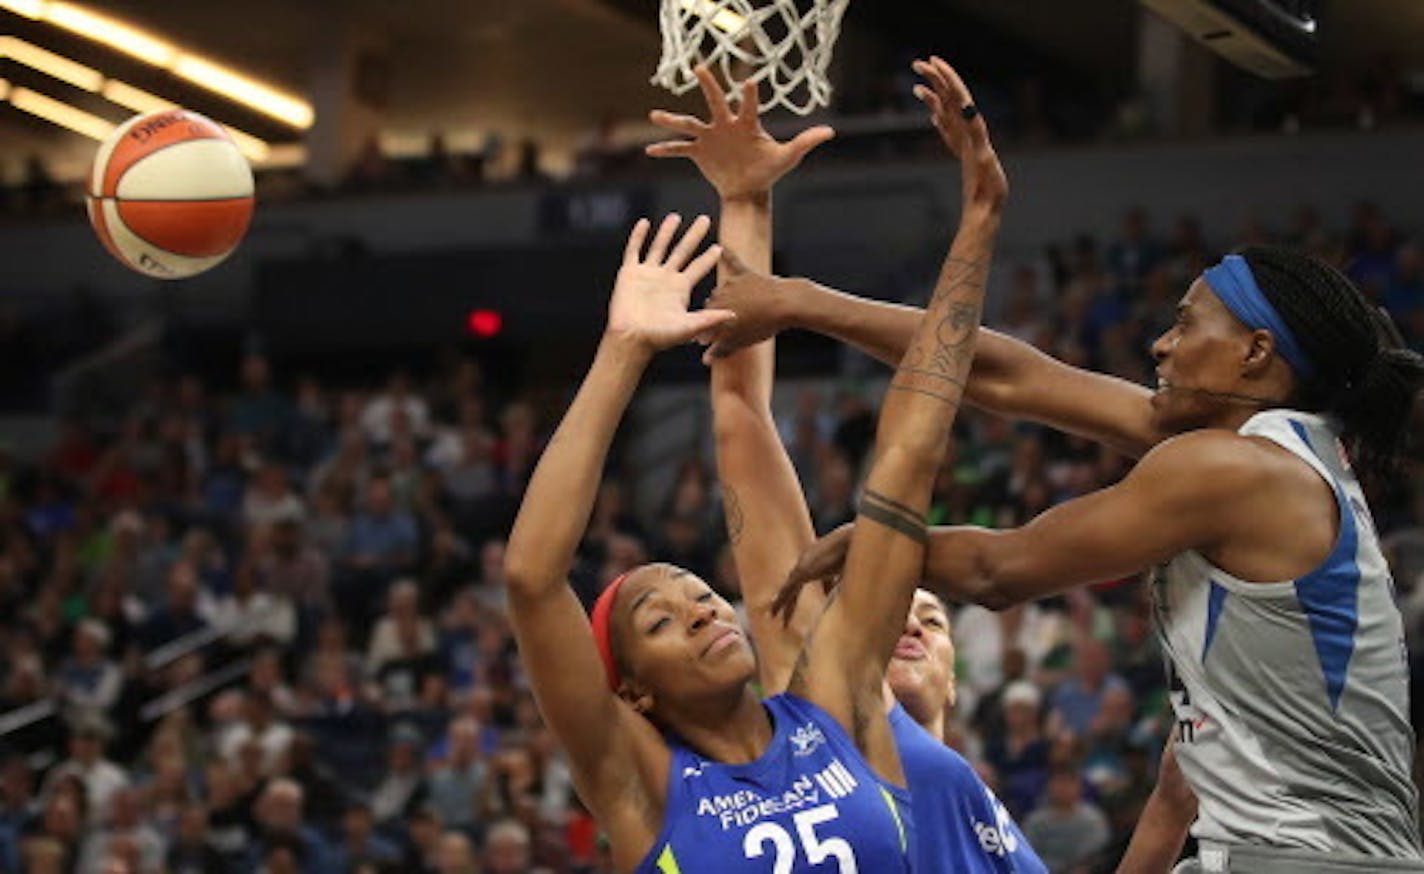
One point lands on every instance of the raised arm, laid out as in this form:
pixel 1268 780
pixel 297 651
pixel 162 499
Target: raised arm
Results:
pixel 768 522
pixel 613 751
pixel 1009 377
pixel 842 667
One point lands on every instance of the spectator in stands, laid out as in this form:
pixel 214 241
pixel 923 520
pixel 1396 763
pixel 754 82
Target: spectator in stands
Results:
pixel 1078 699
pixel 88 682
pixel 379 417
pixel 402 651
pixel 1067 830
pixel 1020 754
pixel 126 824
pixel 259 727
pixel 283 837
pixel 457 855
pixel 402 789
pixel 296 569
pixel 360 844
pixel 507 849
pixel 179 613
pixel 456 785
pixel 251 615
pixel 192 851
pixel 270 497
pixel 382 540
pixel 54 845
pixel 259 412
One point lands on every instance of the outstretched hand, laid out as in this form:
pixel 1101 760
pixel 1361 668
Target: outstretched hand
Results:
pixel 651 294
pixel 736 155
pixel 822 561
pixel 756 298
pixel 962 127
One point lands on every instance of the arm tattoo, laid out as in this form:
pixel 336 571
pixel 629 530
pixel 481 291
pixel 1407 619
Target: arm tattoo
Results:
pixel 736 519
pixel 936 366
pixel 894 515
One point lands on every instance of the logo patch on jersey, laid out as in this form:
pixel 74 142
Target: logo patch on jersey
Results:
pixel 837 780
pixel 741 809
pixel 806 740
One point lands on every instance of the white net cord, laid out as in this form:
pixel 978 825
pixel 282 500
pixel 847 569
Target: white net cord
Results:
pixel 785 45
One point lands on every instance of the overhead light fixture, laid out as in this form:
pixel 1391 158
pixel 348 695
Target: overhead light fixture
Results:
pixel 60 113
pixel 236 86
pixel 722 18
pixel 130 40
pixel 50 64
pixel 4 89
pixel 114 34
pixel 251 147
pixel 133 98
pixel 27 8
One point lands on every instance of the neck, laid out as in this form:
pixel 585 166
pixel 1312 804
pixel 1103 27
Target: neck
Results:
pixel 929 714
pixel 732 732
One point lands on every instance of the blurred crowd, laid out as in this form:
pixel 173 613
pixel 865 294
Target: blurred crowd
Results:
pixel 265 630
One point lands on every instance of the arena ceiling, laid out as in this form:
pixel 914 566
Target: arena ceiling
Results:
pixel 551 69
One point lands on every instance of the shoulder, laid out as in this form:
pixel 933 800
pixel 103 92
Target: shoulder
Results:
pixel 1208 463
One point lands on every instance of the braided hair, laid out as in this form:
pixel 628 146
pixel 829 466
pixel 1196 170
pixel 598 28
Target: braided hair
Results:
pixel 1364 376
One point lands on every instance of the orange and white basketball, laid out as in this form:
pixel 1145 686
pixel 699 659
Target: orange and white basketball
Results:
pixel 170 194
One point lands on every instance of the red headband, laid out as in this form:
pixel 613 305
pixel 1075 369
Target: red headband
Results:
pixel 601 617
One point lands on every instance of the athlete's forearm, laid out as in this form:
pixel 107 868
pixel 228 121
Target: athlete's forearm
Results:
pixel 1164 823
pixel 561 491
pixel 745 228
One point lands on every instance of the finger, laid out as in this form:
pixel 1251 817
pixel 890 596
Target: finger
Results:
pixel 978 130
pixel 714 95
pixel 933 77
pixel 636 239
pixel 930 99
pixel 702 321
pixel 749 108
pixel 702 265
pixel 802 144
pixel 676 121
pixel 658 250
pixel 689 242
pixel 670 149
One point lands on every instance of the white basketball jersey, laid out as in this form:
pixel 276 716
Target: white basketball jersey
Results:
pixel 1292 698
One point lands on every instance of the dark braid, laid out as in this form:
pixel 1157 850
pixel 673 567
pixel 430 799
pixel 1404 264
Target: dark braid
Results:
pixel 1364 376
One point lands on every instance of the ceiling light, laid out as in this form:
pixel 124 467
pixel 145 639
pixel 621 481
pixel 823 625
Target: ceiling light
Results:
pixel 49 63
pixel 4 89
pixel 133 98
pixel 111 33
pixel 60 113
pixel 27 8
pixel 235 86
pixel 251 147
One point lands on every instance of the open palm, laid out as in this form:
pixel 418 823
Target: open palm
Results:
pixel 652 292
pixel 733 151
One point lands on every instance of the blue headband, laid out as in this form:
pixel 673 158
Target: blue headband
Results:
pixel 1234 284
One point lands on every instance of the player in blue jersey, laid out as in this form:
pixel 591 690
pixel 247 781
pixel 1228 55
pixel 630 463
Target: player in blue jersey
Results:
pixel 671 747
pixel 1271 597
pixel 959 824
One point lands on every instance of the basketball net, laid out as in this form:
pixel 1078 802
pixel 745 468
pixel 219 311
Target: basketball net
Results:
pixel 785 45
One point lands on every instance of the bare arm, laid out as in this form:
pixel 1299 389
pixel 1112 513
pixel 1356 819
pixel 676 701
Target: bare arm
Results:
pixel 1009 377
pixel 1166 818
pixel 768 523
pixel 613 752
pixel 842 668
pixel 1171 501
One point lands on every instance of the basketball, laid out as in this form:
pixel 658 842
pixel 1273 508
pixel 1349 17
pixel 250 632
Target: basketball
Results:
pixel 170 195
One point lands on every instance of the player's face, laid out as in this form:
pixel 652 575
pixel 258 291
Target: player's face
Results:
pixel 679 638
pixel 922 665
pixel 1200 353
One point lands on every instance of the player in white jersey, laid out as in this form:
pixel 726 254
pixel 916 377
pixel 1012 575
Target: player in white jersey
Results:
pixel 1291 681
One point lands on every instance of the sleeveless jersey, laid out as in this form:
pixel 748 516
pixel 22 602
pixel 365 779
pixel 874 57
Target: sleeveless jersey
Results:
pixel 811 803
pixel 1292 698
pixel 960 825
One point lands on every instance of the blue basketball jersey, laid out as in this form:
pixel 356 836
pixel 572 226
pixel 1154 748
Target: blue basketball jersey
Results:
pixel 959 825
pixel 811 803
